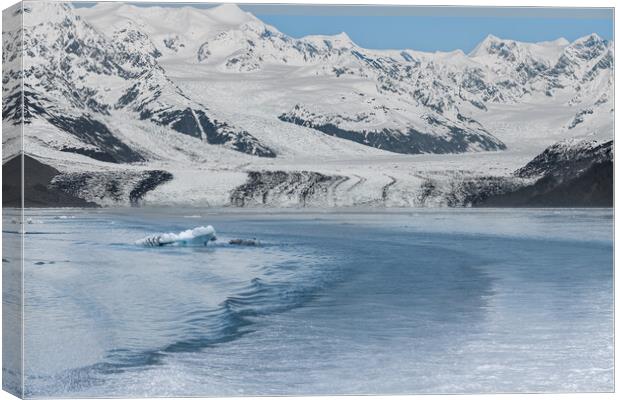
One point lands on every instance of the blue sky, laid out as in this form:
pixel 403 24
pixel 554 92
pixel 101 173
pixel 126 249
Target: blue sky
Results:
pixel 432 28
pixel 431 33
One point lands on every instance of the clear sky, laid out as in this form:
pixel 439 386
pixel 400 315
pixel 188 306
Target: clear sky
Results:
pixel 438 33
pixel 431 28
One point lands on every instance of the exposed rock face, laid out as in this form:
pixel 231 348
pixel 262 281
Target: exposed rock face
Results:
pixel 459 137
pixel 36 186
pixel 477 191
pixel 303 188
pixel 198 124
pixel 567 158
pixel 110 188
pixel 97 134
pixel 149 181
pixel 157 99
pixel 568 174
pixel 74 78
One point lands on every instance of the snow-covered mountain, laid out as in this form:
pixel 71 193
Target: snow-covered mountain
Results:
pixel 75 77
pixel 224 102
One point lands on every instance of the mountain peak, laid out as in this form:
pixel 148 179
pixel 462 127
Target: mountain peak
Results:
pixel 342 39
pixel 46 12
pixel 491 38
pixel 230 13
pixel 588 47
pixel 342 36
pixel 483 47
pixel 589 40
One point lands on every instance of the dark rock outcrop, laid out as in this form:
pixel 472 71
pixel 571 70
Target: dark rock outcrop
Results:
pixel 197 124
pixel 592 188
pixel 409 141
pixel 567 159
pixel 36 186
pixel 150 181
pixel 111 188
pixel 289 187
pixel 569 175
pixel 95 133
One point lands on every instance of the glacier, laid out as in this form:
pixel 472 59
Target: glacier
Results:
pixel 213 107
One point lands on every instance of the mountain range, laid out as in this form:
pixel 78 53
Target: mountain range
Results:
pixel 212 107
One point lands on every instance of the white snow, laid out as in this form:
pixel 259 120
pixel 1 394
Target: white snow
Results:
pixel 245 73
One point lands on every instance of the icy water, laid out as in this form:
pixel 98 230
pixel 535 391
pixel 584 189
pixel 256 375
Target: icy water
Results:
pixel 399 302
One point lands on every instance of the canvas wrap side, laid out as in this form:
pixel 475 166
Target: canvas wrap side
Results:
pixel 12 202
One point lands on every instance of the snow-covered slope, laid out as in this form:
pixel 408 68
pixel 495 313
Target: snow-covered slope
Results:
pixel 178 33
pixel 75 78
pixel 226 103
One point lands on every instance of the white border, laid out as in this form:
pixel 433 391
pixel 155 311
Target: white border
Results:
pixel 494 3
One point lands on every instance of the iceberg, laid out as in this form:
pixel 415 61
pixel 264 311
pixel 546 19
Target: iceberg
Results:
pixel 199 236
